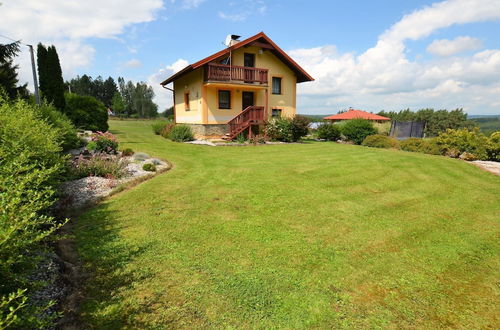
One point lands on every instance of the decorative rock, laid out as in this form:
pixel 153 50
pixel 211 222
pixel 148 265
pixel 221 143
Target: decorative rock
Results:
pixel 141 156
pixel 467 156
pixel 453 153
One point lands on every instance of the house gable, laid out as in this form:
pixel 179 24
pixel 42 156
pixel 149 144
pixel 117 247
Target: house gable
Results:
pixel 260 40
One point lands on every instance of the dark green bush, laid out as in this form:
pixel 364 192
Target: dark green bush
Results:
pixel 464 140
pixel 287 129
pixel 149 167
pixel 329 132
pixel 380 141
pixel 86 112
pixel 300 127
pixel 356 130
pixel 102 165
pixel 31 167
pixel 181 133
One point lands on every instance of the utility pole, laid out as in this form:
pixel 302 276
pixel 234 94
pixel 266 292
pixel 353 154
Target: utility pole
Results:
pixel 35 80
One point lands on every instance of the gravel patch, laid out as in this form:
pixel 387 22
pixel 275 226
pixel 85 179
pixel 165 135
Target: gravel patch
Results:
pixel 493 167
pixel 48 271
pixel 78 193
pixel 202 142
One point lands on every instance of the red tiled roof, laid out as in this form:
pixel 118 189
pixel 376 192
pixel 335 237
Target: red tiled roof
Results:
pixel 302 75
pixel 353 114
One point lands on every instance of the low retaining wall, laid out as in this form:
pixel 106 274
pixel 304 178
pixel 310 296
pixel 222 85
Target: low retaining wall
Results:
pixel 209 131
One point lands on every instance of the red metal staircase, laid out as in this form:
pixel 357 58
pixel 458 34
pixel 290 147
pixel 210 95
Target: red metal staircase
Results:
pixel 252 115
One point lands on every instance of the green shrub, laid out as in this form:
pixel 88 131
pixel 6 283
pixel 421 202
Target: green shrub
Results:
pixel 166 130
pixel 91 145
pixel 463 140
pixel 241 138
pixel 280 129
pixel 356 130
pixel 59 121
pixel 329 132
pixel 426 146
pixel 493 147
pixel 158 126
pixel 102 165
pixel 181 133
pixel 86 112
pixel 431 147
pixel 31 166
pixel 380 141
pixel 383 128
pixel 412 144
pixel 287 129
pixel 104 142
pixel 300 127
pixel 149 167
pixel 127 152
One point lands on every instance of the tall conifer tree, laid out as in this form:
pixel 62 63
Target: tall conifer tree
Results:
pixel 50 76
pixel 8 71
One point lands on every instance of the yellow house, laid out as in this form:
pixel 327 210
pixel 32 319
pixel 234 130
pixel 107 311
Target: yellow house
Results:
pixel 236 89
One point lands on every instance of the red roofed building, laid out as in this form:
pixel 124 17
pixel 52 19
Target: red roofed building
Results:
pixel 356 114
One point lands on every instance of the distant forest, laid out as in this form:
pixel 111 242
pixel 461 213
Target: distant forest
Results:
pixel 488 124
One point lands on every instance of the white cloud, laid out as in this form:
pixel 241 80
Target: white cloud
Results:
pixel 190 4
pixel 383 77
pixel 241 10
pixel 237 17
pixel 68 24
pixel 133 63
pixel 163 97
pixel 445 47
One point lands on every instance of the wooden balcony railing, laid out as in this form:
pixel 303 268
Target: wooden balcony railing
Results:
pixel 222 72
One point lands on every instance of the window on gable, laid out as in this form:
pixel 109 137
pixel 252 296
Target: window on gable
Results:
pixel 186 101
pixel 276 85
pixel 224 99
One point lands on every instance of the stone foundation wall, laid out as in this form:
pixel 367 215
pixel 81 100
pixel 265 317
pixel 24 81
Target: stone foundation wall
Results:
pixel 209 131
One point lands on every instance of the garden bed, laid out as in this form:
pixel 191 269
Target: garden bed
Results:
pixel 88 190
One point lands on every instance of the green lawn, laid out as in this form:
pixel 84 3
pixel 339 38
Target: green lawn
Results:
pixel 318 235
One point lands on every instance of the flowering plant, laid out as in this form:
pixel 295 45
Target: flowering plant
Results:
pixel 105 142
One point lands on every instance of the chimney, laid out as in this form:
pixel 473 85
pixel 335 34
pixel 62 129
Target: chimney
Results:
pixel 234 39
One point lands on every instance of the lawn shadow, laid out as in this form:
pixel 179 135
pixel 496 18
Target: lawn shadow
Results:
pixel 105 259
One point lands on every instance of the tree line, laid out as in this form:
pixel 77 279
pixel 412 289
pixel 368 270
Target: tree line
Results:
pixel 125 98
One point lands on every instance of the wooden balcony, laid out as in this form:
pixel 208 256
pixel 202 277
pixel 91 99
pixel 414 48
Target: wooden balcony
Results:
pixel 232 73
